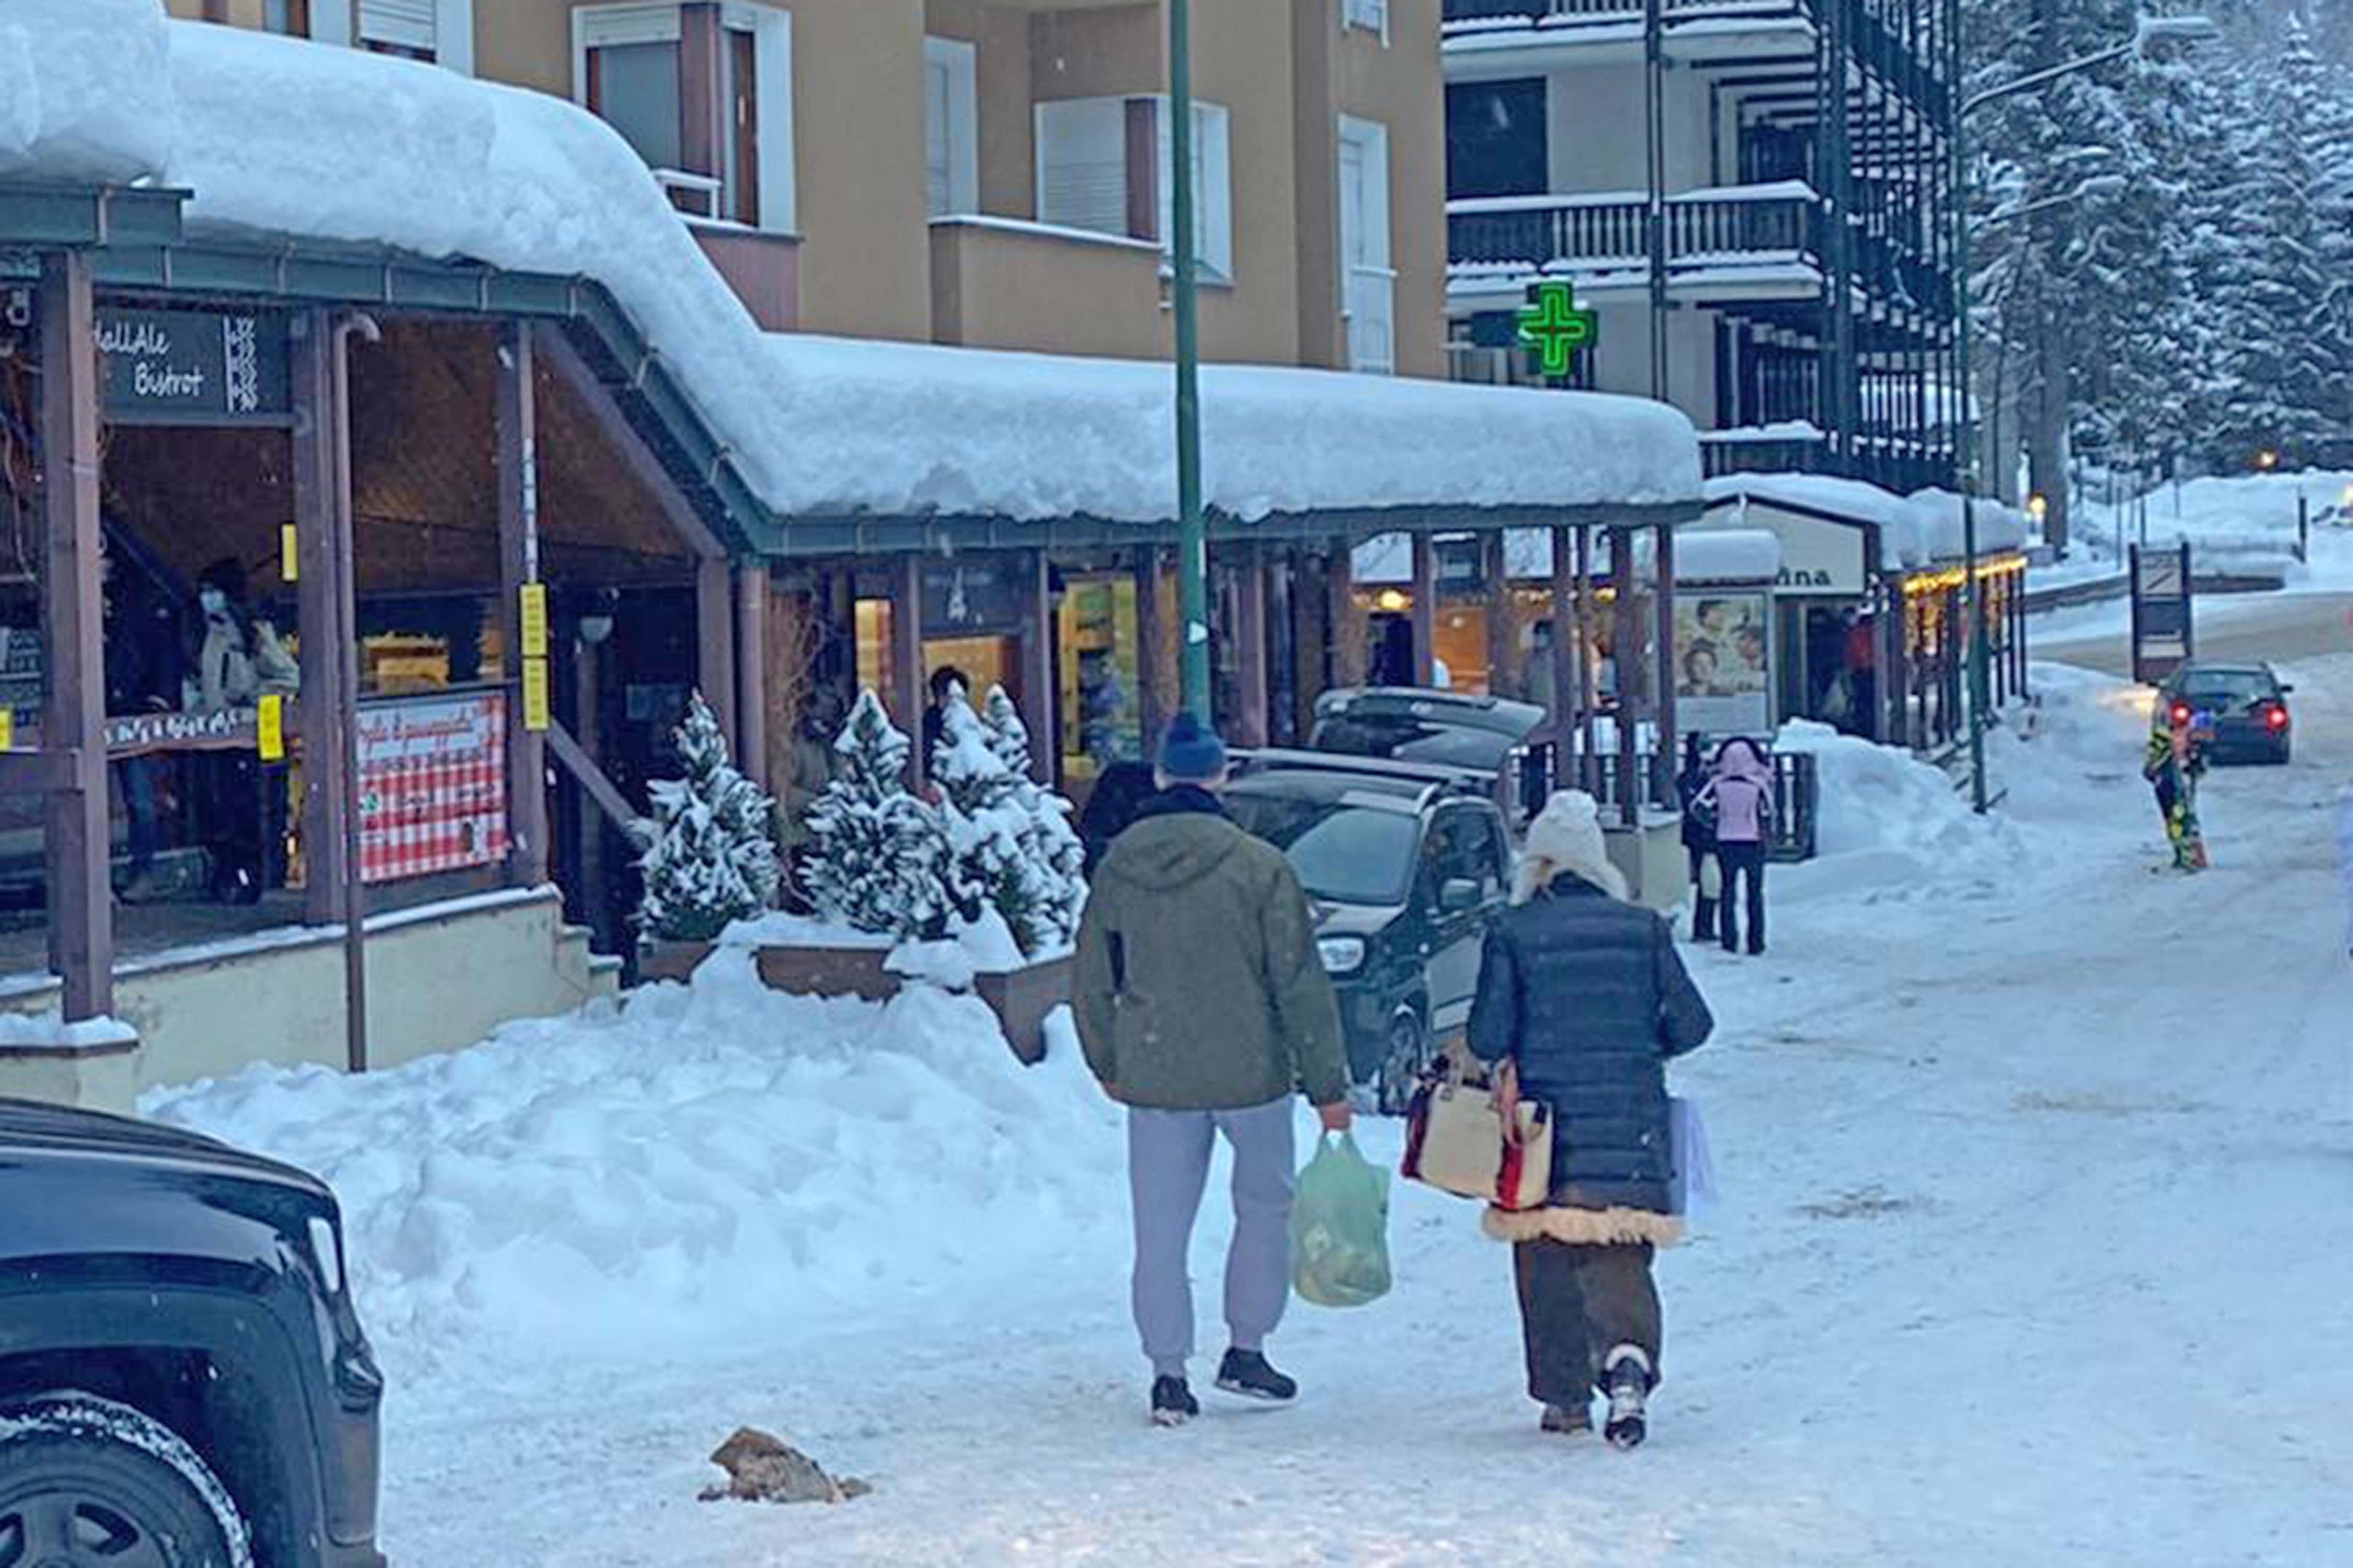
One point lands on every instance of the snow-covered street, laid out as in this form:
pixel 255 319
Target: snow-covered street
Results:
pixel 2033 1250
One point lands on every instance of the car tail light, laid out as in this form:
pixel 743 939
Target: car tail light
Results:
pixel 2276 718
pixel 2181 713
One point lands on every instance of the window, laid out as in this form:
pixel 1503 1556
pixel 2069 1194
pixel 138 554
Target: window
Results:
pixel 431 31
pixel 1368 281
pixel 1104 164
pixel 950 128
pixel 291 17
pixel 1373 15
pixel 630 65
pixel 1496 139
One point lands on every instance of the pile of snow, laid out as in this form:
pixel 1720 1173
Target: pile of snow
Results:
pixel 1885 803
pixel 431 161
pixel 690 1162
pixel 49 1031
pixel 85 90
pixel 2240 523
pixel 1917 529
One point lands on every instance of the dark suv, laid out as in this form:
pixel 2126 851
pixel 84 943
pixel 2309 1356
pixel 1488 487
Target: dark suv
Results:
pixel 183 1382
pixel 1404 864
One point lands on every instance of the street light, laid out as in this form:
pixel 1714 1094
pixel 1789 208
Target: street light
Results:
pixel 2148 33
pixel 1192 527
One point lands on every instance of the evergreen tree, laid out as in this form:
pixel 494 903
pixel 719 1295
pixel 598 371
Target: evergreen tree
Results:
pixel 1049 841
pixel 876 855
pixel 711 859
pixel 1004 853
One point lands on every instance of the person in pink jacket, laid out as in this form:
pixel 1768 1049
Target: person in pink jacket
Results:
pixel 1740 797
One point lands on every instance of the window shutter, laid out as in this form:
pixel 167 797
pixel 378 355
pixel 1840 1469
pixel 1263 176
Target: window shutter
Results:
pixel 599 27
pixel 404 24
pixel 1082 164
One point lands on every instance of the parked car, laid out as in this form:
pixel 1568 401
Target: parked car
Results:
pixel 183 1382
pixel 2243 705
pixel 1404 864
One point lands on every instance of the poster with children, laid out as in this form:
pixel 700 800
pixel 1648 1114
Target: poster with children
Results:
pixel 1724 664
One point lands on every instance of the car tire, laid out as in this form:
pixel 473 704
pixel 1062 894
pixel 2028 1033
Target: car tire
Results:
pixel 88 1483
pixel 1404 1052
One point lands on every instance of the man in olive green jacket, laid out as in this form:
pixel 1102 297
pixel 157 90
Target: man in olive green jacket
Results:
pixel 1204 1008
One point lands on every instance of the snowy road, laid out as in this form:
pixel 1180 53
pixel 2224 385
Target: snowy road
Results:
pixel 2269 627
pixel 2035 1251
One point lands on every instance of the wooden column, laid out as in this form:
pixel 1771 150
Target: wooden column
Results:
pixel 1041 696
pixel 1151 632
pixel 1502 617
pixel 1347 627
pixel 1589 667
pixel 76 850
pixel 1425 611
pixel 1626 658
pixel 1663 763
pixel 319 613
pixel 587 722
pixel 752 671
pixel 907 657
pixel 518 457
pixel 1247 726
pixel 1314 638
pixel 714 616
pixel 1568 661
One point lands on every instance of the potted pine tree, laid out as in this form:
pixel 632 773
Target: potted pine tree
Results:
pixel 711 856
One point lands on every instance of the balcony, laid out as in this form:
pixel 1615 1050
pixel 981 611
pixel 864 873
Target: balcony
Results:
pixel 1762 238
pixel 762 268
pixel 1006 283
pixel 1696 29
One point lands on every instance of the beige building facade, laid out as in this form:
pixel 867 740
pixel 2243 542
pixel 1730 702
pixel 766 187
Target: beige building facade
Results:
pixel 995 172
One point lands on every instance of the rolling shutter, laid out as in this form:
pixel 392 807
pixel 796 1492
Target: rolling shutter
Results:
pixel 1082 164
pixel 404 24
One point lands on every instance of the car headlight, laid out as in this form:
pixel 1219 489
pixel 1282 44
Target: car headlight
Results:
pixel 1341 954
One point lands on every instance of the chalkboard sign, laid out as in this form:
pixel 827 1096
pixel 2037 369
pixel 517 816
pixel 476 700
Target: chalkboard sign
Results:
pixel 193 367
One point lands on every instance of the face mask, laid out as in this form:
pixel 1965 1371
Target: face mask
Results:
pixel 212 600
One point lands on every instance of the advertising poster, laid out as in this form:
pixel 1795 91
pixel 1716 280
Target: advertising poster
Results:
pixel 432 784
pixel 1724 664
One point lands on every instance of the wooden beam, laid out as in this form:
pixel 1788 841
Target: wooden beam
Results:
pixel 1348 650
pixel 1425 611
pixel 575 761
pixel 1662 763
pixel 1041 694
pixel 76 846
pixel 517 430
pixel 1503 616
pixel 715 645
pixel 1248 724
pixel 1626 658
pixel 1151 630
pixel 320 612
pixel 587 712
pixel 907 658
pixel 1567 660
pixel 1589 667
pixel 752 590
pixel 574 370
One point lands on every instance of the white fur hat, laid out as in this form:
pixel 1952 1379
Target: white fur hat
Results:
pixel 1565 837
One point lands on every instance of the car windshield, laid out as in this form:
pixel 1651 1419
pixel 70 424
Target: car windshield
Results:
pixel 1405 739
pixel 2227 689
pixel 1348 854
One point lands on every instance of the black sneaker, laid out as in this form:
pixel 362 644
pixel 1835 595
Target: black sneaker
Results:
pixel 1173 1404
pixel 1247 1374
pixel 1628 1382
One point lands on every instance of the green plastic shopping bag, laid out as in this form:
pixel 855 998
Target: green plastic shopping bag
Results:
pixel 1340 1227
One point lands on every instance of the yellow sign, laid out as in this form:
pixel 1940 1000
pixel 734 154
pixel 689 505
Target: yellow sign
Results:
pixel 269 726
pixel 534 620
pixel 535 716
pixel 8 728
pixel 290 562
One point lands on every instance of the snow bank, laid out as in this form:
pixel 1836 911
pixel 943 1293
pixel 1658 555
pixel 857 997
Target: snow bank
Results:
pixel 48 1031
pixel 693 1161
pixel 85 90
pixel 434 163
pixel 1881 801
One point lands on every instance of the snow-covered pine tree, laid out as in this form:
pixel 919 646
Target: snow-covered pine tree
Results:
pixel 877 855
pixel 712 857
pixel 1049 841
pixel 989 866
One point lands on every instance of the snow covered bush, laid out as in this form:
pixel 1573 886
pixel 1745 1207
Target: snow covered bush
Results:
pixel 711 859
pixel 1010 848
pixel 876 854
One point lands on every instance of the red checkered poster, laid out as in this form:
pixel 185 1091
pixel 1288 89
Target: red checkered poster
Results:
pixel 433 784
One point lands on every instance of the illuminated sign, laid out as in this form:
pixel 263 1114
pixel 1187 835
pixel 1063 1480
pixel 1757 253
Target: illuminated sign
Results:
pixel 1554 328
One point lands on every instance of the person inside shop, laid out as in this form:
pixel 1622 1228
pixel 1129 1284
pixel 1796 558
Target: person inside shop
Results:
pixel 949 684
pixel 145 667
pixel 239 660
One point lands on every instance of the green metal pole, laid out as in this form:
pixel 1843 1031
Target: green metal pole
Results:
pixel 1972 591
pixel 1192 528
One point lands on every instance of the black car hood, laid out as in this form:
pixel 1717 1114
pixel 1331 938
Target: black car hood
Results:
pixel 29 1127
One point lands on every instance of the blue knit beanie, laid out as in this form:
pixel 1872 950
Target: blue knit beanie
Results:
pixel 1190 752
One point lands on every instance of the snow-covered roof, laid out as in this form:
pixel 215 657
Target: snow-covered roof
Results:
pixel 365 148
pixel 1917 529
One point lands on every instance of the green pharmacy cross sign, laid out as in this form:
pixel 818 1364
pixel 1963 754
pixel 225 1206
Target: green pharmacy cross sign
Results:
pixel 1553 327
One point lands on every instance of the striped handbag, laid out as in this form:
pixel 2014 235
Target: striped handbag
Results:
pixel 1480 1140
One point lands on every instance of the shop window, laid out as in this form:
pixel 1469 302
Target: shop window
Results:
pixel 1104 165
pixel 950 128
pixel 1099 676
pixel 629 67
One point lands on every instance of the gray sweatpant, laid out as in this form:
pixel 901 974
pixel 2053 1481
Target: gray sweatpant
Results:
pixel 1167 1167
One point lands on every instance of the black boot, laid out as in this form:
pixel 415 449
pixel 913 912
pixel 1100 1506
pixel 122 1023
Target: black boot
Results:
pixel 1703 920
pixel 1173 1404
pixel 1245 1373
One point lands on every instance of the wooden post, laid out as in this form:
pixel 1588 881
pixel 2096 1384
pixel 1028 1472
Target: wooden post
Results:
pixel 518 459
pixel 907 657
pixel 76 851
pixel 1248 725
pixel 587 718
pixel 714 617
pixel 1588 667
pixel 1347 627
pixel 1626 659
pixel 752 590
pixel 1425 611
pixel 1663 761
pixel 1151 632
pixel 1568 661
pixel 1503 618
pixel 1041 696
pixel 319 611
pixel 1315 640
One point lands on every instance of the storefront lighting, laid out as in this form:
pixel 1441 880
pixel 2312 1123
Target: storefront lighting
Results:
pixel 1394 600
pixel 2038 508
pixel 1951 577
pixel 2267 460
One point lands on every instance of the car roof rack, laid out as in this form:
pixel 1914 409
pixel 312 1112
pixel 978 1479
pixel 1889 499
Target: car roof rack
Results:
pixel 1441 777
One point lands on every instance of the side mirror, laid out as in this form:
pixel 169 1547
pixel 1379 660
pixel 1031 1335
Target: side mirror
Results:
pixel 2285 689
pixel 1458 895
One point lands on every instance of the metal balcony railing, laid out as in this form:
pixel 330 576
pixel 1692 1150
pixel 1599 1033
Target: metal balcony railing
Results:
pixel 1536 232
pixel 1875 39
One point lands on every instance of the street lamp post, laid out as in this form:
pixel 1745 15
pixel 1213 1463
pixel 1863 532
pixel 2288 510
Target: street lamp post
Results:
pixel 1192 526
pixel 2147 31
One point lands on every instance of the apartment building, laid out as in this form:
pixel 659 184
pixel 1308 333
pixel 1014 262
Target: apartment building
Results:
pixel 1795 296
pixel 996 173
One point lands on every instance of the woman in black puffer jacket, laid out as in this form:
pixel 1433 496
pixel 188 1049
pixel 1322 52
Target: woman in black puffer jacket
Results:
pixel 1585 993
